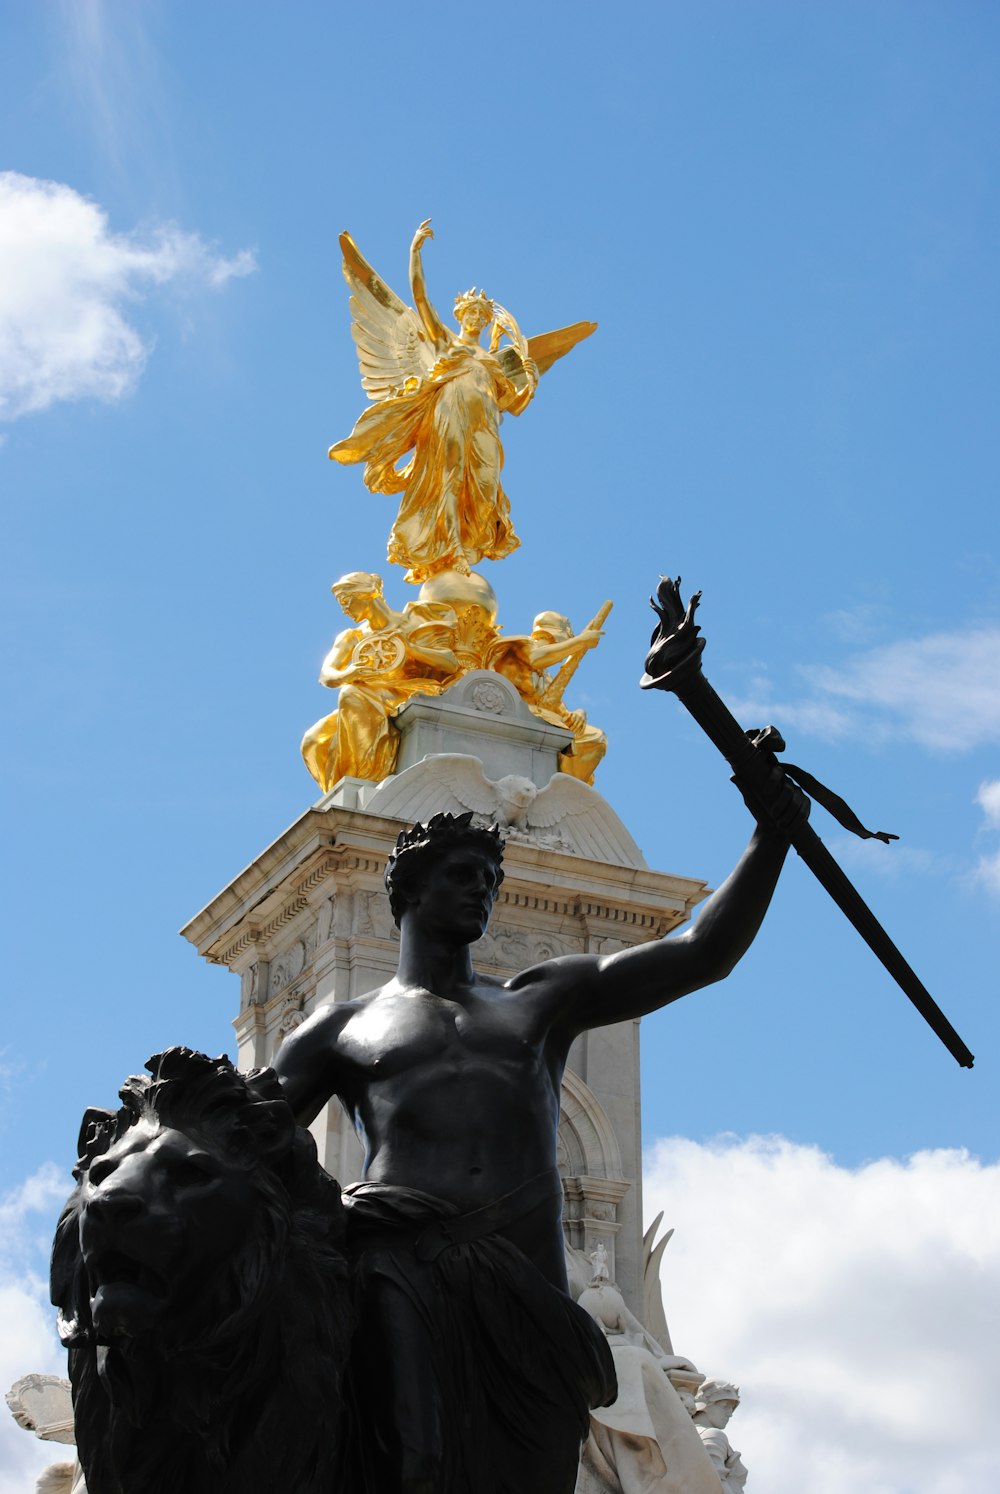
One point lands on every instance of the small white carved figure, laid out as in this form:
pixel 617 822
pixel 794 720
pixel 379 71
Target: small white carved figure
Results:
pixel 515 796
pixel 714 1405
pixel 599 1261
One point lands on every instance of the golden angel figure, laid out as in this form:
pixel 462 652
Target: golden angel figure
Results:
pixel 440 396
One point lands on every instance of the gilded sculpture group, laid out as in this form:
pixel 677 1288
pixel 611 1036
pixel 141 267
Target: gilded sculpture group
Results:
pixel 438 399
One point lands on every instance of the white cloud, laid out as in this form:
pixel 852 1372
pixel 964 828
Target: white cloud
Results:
pixel 988 798
pixel 817 717
pixel 64 281
pixel 891 863
pixel 28 1342
pixel 987 872
pixel 941 691
pixel 987 869
pixel 854 1308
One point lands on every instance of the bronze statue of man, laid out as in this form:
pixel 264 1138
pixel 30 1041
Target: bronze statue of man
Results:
pixel 473 1370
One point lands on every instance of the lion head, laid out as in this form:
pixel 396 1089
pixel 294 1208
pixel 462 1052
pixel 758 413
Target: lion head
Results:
pixel 201 1287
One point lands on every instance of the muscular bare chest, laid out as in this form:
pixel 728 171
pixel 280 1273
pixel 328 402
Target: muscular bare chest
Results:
pixel 411 1030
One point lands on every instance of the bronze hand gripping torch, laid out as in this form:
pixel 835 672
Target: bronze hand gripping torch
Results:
pixel 674 663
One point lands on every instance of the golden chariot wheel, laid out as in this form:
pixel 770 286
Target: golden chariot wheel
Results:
pixel 383 653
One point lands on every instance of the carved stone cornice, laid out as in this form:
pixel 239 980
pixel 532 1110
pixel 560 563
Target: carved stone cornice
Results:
pixel 327 851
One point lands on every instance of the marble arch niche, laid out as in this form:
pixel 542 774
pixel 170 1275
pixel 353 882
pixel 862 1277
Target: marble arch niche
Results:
pixel 590 1165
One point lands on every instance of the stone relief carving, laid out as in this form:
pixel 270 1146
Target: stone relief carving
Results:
pixel 607 945
pixel 343 905
pixel 292 1016
pixel 373 917
pixel 364 923
pixel 547 839
pixel 250 987
pixel 513 948
pixel 287 967
pixel 324 921
pixel 486 696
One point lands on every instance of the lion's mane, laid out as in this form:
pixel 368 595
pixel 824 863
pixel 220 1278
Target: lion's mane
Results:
pixel 236 1388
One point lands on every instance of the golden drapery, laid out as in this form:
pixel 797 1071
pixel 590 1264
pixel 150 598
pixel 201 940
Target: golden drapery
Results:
pixel 379 670
pixel 454 511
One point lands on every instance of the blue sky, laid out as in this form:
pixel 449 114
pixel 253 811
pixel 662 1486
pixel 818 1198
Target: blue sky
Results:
pixel 784 218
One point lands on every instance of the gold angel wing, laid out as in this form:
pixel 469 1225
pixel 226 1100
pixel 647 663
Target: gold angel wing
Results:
pixel 392 346
pixel 546 349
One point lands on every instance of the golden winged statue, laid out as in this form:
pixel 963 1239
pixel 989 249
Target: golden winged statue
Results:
pixel 441 396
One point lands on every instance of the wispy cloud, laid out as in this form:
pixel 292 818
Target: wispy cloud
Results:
pixel 988 799
pixel 858 623
pixel 65 279
pixel 987 869
pixel 891 863
pixel 115 73
pixel 941 691
pixel 759 704
pixel 849 1305
pixel 987 872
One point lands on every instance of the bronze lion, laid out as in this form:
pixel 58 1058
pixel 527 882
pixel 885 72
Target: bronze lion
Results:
pixel 202 1289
